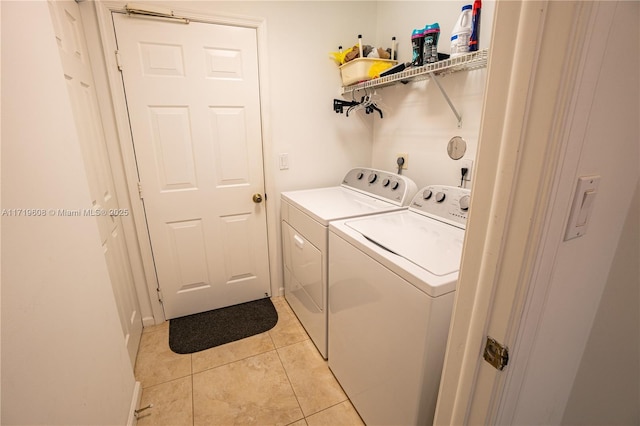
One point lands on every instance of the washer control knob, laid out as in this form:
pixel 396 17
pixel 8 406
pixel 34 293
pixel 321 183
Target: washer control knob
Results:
pixel 426 194
pixel 386 182
pixel 373 177
pixel 360 175
pixel 395 185
pixel 464 203
pixel 440 196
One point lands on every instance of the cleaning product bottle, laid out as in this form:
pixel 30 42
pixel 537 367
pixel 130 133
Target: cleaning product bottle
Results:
pixel 417 43
pixel 474 41
pixel 431 36
pixel 461 32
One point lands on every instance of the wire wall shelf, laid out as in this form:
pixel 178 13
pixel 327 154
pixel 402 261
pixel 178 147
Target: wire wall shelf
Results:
pixel 466 62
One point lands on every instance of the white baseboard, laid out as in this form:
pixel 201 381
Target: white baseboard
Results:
pixel 148 321
pixel 135 403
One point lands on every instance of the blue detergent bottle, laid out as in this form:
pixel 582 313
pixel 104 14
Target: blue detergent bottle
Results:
pixel 430 50
pixel 417 44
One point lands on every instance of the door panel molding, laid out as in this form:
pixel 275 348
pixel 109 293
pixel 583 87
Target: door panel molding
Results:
pixel 101 11
pixel 80 82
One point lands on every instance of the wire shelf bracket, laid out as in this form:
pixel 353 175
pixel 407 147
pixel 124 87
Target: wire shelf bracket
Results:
pixel 446 98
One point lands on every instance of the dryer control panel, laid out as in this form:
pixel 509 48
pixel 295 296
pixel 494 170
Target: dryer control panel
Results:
pixel 387 186
pixel 448 204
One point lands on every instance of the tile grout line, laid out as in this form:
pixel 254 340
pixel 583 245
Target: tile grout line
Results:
pixel 284 369
pixel 193 399
pixel 289 312
pixel 295 394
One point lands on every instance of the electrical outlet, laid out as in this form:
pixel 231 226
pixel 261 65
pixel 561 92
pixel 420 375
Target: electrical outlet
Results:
pixel 406 160
pixel 469 165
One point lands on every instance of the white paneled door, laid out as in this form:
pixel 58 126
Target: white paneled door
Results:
pixel 194 108
pixel 78 75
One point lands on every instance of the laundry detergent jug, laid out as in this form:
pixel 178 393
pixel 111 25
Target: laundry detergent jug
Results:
pixel 461 32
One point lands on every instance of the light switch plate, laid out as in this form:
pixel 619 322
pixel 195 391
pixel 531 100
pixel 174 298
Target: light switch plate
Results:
pixel 583 201
pixel 283 161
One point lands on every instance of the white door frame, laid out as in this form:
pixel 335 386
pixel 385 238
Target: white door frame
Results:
pixel 532 122
pixel 591 29
pixel 103 10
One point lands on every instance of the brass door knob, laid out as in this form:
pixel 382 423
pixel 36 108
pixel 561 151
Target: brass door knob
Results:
pixel 257 198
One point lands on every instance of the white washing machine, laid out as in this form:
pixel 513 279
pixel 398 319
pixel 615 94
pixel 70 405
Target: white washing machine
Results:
pixel 392 280
pixel 305 218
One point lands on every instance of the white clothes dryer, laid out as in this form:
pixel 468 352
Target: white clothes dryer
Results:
pixel 392 280
pixel 305 237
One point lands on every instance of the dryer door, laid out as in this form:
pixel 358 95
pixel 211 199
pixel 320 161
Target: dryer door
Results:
pixel 305 284
pixel 304 262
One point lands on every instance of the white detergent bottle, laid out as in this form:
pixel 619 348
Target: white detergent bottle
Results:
pixel 461 32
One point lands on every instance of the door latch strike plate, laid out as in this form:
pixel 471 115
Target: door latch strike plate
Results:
pixel 496 354
pixel 118 62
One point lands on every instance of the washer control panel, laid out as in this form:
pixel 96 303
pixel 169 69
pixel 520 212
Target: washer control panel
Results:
pixel 449 204
pixel 388 186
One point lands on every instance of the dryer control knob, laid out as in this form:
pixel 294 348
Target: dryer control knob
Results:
pixel 395 185
pixel 373 177
pixel 360 175
pixel 440 196
pixel 426 194
pixel 386 182
pixel 464 203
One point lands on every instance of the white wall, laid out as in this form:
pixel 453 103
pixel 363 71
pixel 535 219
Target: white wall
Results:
pixel 63 355
pixel 417 120
pixel 606 390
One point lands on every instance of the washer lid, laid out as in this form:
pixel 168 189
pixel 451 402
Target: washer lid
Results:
pixel 332 203
pixel 430 244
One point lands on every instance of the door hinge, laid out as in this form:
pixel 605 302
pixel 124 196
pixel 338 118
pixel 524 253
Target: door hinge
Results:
pixel 140 190
pixel 496 354
pixel 160 298
pixel 118 62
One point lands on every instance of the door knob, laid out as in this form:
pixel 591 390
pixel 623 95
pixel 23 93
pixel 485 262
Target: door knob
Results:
pixel 257 198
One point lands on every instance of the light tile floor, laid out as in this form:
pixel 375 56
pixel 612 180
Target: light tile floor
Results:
pixel 274 378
